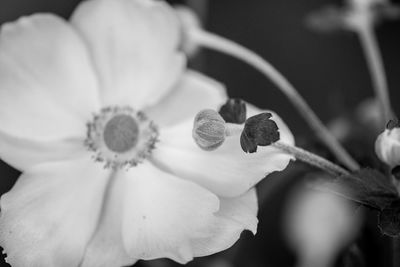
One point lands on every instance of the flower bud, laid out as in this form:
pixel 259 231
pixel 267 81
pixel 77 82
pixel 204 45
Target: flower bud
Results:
pixel 365 3
pixel 387 145
pixel 189 22
pixel 259 130
pixel 234 111
pixel 209 129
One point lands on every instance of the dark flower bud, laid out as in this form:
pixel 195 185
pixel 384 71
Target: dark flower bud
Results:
pixel 393 124
pixel 209 130
pixel 234 111
pixel 259 130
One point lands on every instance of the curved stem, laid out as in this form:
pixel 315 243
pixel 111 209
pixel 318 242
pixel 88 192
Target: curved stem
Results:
pixel 232 129
pixel 315 260
pixel 226 46
pixel 311 159
pixel 377 71
pixel 396 251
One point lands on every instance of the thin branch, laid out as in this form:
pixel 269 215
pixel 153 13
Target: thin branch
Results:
pixel 226 46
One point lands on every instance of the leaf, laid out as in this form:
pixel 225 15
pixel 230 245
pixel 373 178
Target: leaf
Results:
pixel 393 124
pixel 373 189
pixel 368 187
pixel 396 172
pixel 353 257
pixel 389 219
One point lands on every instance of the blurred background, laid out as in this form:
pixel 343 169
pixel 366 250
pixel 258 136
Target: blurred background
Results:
pixel 328 69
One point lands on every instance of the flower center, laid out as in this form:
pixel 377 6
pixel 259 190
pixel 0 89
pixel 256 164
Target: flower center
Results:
pixel 121 137
pixel 121 133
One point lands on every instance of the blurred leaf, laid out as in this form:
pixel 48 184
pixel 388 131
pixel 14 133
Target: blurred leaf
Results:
pixel 353 257
pixel 326 19
pixel 389 219
pixel 396 172
pixel 373 189
pixel 368 187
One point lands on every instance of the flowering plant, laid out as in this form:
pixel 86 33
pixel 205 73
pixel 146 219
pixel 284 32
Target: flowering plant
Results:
pixel 126 154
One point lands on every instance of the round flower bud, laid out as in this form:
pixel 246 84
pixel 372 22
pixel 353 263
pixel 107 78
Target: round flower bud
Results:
pixel 387 146
pixel 366 4
pixel 259 130
pixel 189 22
pixel 234 111
pixel 209 130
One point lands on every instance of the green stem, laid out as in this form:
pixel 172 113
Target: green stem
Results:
pixel 226 46
pixel 396 251
pixel 311 159
pixel 377 71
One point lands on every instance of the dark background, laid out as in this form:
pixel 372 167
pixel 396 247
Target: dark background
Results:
pixel 328 69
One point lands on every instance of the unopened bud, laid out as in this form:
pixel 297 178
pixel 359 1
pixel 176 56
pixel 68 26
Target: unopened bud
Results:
pixel 189 22
pixel 209 129
pixel 259 130
pixel 365 3
pixel 234 111
pixel 387 145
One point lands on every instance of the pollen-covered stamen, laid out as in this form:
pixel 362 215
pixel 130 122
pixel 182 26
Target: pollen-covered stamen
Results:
pixel 121 133
pixel 121 137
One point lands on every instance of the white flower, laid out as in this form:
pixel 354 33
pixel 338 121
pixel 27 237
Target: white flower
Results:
pixel 387 145
pixel 160 195
pixel 354 15
pixel 319 225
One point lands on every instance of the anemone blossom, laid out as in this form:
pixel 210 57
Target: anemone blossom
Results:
pixel 97 114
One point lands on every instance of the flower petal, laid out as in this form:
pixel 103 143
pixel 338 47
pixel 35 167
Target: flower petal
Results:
pixel 22 153
pixel 47 85
pixel 234 216
pixel 106 248
pixel 50 214
pixel 162 213
pixel 193 93
pixel 134 46
pixel 227 171
pixel 165 216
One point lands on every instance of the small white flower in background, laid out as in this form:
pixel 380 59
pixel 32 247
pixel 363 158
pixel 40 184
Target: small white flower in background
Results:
pixel 354 15
pixel 189 21
pixel 387 145
pixel 319 225
pixel 98 115
pixel 362 12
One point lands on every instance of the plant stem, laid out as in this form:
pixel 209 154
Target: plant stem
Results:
pixel 315 260
pixel 226 46
pixel 396 251
pixel 311 158
pixel 377 71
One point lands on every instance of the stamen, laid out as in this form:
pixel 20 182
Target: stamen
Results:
pixel 121 137
pixel 121 133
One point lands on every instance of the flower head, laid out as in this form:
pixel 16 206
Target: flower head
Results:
pixel 259 130
pixel 319 225
pixel 98 113
pixel 234 111
pixel 209 129
pixel 387 145
pixel 354 15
